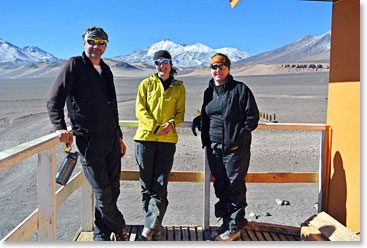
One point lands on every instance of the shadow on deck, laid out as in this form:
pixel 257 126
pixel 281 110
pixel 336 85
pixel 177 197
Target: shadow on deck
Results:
pixel 254 231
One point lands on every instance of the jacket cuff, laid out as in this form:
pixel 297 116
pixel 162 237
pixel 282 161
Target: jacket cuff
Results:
pixel 173 123
pixel 156 129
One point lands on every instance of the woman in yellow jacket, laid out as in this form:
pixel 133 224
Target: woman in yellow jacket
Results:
pixel 160 107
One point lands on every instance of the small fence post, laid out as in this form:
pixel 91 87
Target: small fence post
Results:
pixel 206 205
pixel 87 221
pixel 46 186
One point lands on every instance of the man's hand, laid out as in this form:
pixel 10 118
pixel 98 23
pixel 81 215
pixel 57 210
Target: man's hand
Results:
pixel 167 127
pixel 66 137
pixel 196 123
pixel 123 148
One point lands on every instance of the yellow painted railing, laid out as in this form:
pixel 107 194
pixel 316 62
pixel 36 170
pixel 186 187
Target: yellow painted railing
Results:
pixel 43 219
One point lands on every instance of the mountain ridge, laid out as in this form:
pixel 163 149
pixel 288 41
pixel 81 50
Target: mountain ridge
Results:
pixel 185 56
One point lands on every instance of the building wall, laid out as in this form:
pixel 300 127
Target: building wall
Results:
pixel 344 114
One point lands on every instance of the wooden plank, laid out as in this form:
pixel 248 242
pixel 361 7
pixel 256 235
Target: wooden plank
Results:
pixel 65 191
pixel 192 234
pixel 128 231
pixel 304 177
pixel 252 235
pixel 177 232
pixel 170 233
pixel 75 238
pixel 46 197
pixel 275 236
pixel 290 237
pixel 267 236
pixel 200 233
pixel 20 152
pixel 282 237
pixel 332 229
pixel 262 125
pixel 310 233
pixel 134 233
pixel 260 226
pixel 259 236
pixel 25 229
pixel 206 190
pixel 258 177
pixel 175 176
pixel 87 202
pixel 85 236
pixel 245 236
pixel 164 233
pixel 291 126
pixel 185 233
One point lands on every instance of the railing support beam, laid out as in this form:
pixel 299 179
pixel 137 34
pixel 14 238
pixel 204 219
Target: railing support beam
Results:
pixel 87 205
pixel 206 199
pixel 46 186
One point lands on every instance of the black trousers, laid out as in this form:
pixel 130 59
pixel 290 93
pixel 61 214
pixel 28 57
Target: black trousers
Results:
pixel 155 160
pixel 100 155
pixel 229 172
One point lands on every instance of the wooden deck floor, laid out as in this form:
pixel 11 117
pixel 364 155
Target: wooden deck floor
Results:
pixel 254 231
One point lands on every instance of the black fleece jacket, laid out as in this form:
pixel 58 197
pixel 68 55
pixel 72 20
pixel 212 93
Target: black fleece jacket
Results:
pixel 240 115
pixel 90 98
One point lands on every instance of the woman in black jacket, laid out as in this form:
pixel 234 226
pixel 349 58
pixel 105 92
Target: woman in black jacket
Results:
pixel 228 115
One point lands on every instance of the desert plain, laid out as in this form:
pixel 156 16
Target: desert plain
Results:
pixel 293 96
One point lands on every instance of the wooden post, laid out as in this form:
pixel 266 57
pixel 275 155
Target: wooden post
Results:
pixel 321 170
pixel 87 206
pixel 206 203
pixel 46 186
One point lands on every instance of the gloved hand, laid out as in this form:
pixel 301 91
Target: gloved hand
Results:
pixel 196 123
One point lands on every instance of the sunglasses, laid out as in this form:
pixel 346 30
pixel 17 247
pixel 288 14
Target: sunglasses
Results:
pixel 92 42
pixel 163 61
pixel 215 67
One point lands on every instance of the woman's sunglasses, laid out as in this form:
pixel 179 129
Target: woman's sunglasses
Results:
pixel 215 67
pixel 163 61
pixel 92 42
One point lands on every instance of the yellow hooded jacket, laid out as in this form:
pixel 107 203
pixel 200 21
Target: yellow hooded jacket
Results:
pixel 154 107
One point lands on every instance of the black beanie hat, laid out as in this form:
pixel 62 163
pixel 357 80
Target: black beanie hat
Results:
pixel 161 54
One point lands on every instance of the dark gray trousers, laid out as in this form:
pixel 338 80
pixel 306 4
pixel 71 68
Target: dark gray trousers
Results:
pixel 229 172
pixel 155 160
pixel 100 155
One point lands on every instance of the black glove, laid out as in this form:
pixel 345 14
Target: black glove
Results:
pixel 196 123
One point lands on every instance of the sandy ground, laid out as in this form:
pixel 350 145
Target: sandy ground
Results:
pixel 294 98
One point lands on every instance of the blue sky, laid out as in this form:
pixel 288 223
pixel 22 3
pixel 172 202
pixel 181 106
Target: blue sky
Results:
pixel 253 26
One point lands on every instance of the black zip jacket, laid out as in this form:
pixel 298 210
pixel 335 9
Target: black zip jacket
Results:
pixel 240 115
pixel 90 98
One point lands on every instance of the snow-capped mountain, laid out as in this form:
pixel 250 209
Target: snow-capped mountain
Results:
pixel 13 54
pixel 299 50
pixel 183 55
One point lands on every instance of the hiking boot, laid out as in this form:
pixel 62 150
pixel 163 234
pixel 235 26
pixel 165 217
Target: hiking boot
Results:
pixel 150 234
pixel 157 236
pixel 229 235
pixel 214 234
pixel 120 236
pixel 101 237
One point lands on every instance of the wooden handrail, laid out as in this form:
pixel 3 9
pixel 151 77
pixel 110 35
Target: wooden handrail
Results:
pixel 18 153
pixel 45 148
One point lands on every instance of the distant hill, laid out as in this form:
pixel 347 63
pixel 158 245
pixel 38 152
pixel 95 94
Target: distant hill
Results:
pixel 33 62
pixel 183 55
pixel 300 50
pixel 10 53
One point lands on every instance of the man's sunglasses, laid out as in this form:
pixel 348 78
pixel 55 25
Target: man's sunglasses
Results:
pixel 163 61
pixel 215 67
pixel 92 42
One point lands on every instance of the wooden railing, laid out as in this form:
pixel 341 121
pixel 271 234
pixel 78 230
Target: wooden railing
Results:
pixel 43 219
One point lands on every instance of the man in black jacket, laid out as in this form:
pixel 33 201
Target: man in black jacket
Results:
pixel 85 84
pixel 229 113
